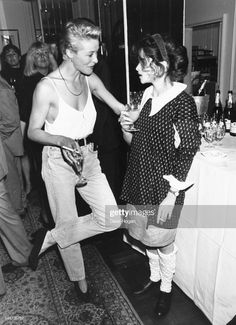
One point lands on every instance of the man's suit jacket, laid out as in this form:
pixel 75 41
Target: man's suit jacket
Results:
pixel 10 130
pixel 3 162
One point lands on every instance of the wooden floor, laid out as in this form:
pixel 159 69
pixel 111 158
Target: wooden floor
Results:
pixel 130 269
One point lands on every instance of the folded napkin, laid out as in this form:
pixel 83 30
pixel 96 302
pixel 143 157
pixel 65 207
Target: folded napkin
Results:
pixel 214 154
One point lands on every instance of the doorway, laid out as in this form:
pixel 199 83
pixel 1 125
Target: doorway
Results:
pixel 204 43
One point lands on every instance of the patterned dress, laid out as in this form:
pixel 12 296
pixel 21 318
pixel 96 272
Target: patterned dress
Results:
pixel 153 154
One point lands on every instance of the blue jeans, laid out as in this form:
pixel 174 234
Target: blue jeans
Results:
pixel 60 180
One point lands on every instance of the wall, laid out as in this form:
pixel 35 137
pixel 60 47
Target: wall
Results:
pixel 17 14
pixel 85 8
pixel 202 11
pixel 207 37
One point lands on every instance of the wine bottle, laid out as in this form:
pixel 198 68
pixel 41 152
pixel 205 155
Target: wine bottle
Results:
pixel 218 106
pixel 233 120
pixel 201 90
pixel 227 110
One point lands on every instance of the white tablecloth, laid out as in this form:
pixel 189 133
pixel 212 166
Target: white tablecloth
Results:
pixel 206 237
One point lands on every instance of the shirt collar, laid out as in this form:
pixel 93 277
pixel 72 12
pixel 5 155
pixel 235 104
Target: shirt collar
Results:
pixel 159 102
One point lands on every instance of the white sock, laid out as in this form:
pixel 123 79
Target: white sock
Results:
pixel 154 264
pixel 48 241
pixel 167 268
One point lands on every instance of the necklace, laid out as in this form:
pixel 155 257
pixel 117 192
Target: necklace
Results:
pixel 67 85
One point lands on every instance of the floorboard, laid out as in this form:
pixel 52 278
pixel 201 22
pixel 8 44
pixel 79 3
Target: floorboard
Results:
pixel 130 268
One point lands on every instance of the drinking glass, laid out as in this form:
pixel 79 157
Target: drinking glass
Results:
pixel 76 159
pixel 133 108
pixel 210 135
pixel 220 133
pixel 133 111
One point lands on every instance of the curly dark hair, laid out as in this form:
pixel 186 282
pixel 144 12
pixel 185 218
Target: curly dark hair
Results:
pixel 163 48
pixel 7 48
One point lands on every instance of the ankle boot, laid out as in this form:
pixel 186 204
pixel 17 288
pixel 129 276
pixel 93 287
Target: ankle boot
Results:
pixel 163 304
pixel 167 270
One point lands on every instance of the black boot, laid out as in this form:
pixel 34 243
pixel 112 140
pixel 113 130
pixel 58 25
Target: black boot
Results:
pixel 163 304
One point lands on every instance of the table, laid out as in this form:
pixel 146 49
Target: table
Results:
pixel 206 237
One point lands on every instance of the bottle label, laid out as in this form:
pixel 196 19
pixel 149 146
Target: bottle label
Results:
pixel 233 127
pixel 227 124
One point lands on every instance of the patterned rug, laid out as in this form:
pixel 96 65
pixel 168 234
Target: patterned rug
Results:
pixel 47 297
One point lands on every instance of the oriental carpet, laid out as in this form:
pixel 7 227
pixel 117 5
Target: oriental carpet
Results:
pixel 47 297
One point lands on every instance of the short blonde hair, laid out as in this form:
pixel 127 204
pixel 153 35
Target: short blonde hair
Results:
pixel 30 67
pixel 79 28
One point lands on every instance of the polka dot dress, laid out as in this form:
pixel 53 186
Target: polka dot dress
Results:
pixel 153 154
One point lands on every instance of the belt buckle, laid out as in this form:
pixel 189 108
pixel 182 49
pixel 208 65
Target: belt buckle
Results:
pixel 85 141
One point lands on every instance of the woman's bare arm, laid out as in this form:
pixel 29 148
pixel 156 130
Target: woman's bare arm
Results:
pixel 99 90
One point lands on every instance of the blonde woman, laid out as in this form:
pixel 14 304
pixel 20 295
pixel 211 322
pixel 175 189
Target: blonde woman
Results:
pixel 38 63
pixel 63 103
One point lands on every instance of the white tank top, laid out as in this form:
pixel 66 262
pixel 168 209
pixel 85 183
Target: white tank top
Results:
pixel 70 122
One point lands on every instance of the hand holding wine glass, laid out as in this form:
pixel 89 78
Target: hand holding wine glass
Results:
pixel 131 114
pixel 75 158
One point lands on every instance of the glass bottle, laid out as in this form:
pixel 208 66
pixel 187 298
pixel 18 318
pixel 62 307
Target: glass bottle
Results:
pixel 218 107
pixel 233 120
pixel 227 110
pixel 201 90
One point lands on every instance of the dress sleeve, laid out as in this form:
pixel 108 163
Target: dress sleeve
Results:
pixel 186 124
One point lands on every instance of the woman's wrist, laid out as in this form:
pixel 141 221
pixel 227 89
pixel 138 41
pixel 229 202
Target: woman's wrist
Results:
pixel 174 191
pixel 121 108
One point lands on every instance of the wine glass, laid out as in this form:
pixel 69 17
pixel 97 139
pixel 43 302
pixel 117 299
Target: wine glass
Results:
pixel 210 135
pixel 220 132
pixel 133 109
pixel 75 158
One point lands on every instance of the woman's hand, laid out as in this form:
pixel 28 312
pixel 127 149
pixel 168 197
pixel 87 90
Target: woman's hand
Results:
pixel 63 141
pixel 133 112
pixel 125 121
pixel 165 208
pixel 66 144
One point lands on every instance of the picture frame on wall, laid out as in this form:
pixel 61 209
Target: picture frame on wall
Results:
pixel 9 36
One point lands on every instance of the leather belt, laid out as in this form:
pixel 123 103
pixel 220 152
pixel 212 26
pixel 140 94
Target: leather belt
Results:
pixel 84 141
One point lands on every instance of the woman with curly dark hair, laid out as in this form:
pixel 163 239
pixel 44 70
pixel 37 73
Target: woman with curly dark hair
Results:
pixel 161 154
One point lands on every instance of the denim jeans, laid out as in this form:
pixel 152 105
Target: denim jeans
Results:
pixel 60 180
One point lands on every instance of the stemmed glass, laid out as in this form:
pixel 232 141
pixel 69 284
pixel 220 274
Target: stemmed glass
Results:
pixel 220 132
pixel 133 109
pixel 133 113
pixel 76 159
pixel 212 131
pixel 209 135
